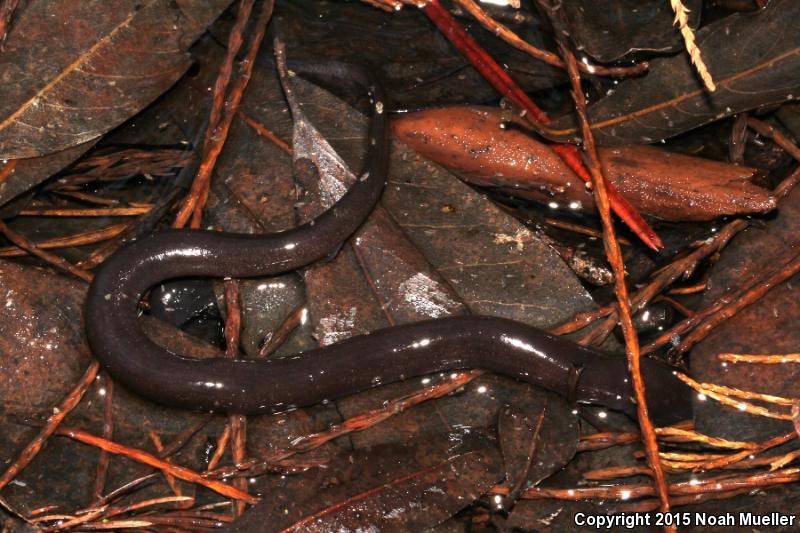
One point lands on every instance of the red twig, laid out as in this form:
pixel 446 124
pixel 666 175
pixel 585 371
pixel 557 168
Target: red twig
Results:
pixel 482 61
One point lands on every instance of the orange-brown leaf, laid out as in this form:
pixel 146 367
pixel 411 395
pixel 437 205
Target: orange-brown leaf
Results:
pixel 667 185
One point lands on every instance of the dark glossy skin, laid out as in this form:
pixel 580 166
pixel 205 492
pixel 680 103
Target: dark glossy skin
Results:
pixel 249 387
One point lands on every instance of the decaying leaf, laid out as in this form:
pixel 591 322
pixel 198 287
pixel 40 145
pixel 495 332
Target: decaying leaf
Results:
pixel 42 354
pixel 24 174
pixel 767 326
pixel 667 185
pixel 385 488
pixel 532 453
pixel 753 58
pixel 72 70
pixel 624 27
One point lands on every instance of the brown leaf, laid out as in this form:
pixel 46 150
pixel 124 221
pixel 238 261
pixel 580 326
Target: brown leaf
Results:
pixel 552 446
pixel 41 337
pixel 753 59
pixel 624 27
pixel 658 183
pixel 767 326
pixel 68 83
pixel 174 118
pixel 390 487
pixel 42 355
pixel 27 173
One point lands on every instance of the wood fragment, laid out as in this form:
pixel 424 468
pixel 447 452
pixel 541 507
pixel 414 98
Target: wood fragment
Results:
pixel 158 445
pixel 116 511
pixel 763 359
pixel 127 488
pixel 86 197
pixel 222 443
pixel 680 501
pixel 583 230
pixel 262 130
pixel 764 284
pixel 695 486
pixel 735 458
pixel 279 336
pixel 685 435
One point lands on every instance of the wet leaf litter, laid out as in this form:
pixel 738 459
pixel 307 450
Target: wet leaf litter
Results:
pixel 460 229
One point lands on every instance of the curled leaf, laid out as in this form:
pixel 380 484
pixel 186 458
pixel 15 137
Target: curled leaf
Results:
pixel 662 184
